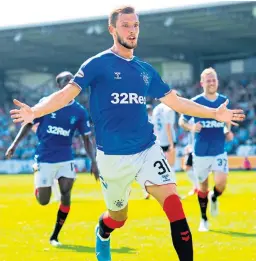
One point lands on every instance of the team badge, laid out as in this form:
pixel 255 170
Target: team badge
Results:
pixel 72 120
pixel 145 78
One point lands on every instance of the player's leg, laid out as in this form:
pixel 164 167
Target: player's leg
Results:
pixel 65 176
pixel 159 179
pixel 220 170
pixel 116 176
pixel 188 168
pixel 202 168
pixel 43 178
pixel 171 155
pixel 65 185
pixel 56 190
pixel 202 195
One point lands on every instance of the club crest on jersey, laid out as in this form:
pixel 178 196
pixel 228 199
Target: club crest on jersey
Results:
pixel 117 76
pixel 53 115
pixel 72 120
pixel 145 78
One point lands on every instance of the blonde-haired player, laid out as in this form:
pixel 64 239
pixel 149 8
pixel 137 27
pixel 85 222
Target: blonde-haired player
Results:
pixel 209 151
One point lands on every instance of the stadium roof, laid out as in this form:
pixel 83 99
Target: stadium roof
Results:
pixel 206 31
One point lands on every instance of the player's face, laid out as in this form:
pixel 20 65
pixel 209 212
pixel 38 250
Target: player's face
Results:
pixel 210 83
pixel 126 31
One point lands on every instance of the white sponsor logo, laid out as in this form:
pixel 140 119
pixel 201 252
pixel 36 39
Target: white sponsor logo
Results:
pixel 57 131
pixel 127 98
pixel 212 124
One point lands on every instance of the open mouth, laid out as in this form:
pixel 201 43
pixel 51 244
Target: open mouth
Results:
pixel 131 38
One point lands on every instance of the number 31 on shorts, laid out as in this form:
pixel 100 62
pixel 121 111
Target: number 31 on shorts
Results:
pixel 162 166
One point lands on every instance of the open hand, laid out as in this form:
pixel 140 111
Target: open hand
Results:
pixel 223 114
pixel 24 114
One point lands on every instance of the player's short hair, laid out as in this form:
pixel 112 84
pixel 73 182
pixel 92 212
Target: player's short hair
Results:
pixel 63 78
pixel 207 71
pixel 121 10
pixel 62 75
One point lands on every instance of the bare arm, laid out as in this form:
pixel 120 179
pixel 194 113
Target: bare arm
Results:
pixel 188 107
pixel 185 125
pixel 169 134
pixel 23 132
pixel 56 101
pixel 91 153
pixel 89 147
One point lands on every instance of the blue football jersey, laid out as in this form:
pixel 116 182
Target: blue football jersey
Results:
pixel 119 88
pixel 56 130
pixel 210 141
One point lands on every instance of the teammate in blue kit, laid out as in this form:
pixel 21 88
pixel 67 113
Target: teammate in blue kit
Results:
pixel 54 159
pixel 209 153
pixel 126 148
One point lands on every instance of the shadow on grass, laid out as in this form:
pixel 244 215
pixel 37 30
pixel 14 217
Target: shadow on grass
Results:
pixel 233 233
pixel 87 249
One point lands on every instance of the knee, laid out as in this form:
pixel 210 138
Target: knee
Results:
pixel 43 201
pixel 204 186
pixel 203 189
pixel 65 197
pixel 120 216
pixel 111 222
pixel 43 195
pixel 220 184
pixel 221 187
pixel 65 193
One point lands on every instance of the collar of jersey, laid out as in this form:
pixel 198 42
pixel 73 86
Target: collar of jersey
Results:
pixel 209 99
pixel 126 59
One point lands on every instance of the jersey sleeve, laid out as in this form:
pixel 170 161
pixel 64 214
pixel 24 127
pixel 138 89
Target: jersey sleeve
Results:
pixel 186 117
pixel 84 127
pixel 87 73
pixel 158 88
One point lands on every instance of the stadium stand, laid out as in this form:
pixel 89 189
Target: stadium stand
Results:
pixel 211 38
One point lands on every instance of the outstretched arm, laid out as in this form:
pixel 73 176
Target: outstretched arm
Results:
pixel 188 107
pixel 24 130
pixel 56 101
pixel 52 103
